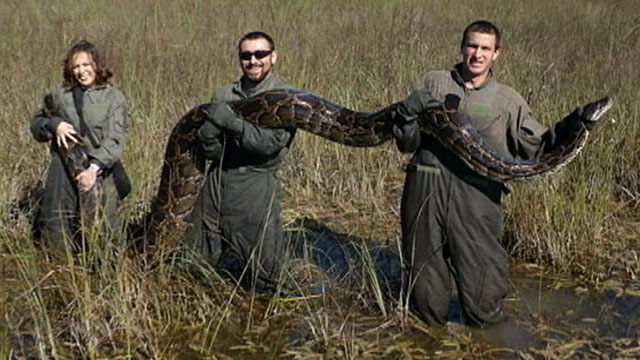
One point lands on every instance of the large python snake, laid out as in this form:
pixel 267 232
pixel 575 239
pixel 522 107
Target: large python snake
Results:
pixel 303 110
pixel 75 158
pixel 184 166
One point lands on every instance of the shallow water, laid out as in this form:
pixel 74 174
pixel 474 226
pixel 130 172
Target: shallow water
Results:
pixel 548 317
pixel 543 311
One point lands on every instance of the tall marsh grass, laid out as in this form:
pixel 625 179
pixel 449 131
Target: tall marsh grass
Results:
pixel 169 56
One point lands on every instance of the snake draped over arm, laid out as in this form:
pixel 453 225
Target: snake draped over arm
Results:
pixel 306 111
pixel 184 165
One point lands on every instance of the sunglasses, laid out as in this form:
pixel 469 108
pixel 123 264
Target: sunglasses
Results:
pixel 260 54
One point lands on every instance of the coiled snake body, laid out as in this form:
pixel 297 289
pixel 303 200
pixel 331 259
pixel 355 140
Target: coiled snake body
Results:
pixel 184 165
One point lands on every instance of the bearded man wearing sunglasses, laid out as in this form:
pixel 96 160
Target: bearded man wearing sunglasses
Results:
pixel 236 218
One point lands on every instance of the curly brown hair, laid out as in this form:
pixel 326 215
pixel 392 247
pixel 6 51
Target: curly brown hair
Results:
pixel 103 74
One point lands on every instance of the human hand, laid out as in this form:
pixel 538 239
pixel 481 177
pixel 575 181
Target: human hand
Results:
pixel 452 102
pixel 65 132
pixel 209 131
pixel 86 179
pixel 221 115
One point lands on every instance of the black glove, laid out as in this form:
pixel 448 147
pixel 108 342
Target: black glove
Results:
pixel 211 144
pixel 416 103
pixel 407 136
pixel 221 115
pixel 451 102
pixel 209 131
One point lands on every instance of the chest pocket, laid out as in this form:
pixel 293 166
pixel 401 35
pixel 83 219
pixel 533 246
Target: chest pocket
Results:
pixel 488 123
pixel 95 115
pixel 481 115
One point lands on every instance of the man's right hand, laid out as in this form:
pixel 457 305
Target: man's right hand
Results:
pixel 221 115
pixel 418 102
pixel 65 132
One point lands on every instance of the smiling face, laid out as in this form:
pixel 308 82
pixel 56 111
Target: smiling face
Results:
pixel 256 59
pixel 478 54
pixel 84 69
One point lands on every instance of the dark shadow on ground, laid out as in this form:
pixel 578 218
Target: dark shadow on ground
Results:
pixel 538 310
pixel 343 256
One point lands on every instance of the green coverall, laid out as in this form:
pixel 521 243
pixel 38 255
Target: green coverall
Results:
pixel 236 218
pixel 452 217
pixel 105 115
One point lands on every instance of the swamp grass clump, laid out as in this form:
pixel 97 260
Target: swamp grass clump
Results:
pixel 171 56
pixel 108 305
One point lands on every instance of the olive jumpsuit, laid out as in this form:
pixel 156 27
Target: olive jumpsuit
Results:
pixel 452 217
pixel 106 117
pixel 236 218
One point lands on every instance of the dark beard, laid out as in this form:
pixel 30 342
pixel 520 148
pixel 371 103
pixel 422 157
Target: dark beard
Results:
pixel 248 84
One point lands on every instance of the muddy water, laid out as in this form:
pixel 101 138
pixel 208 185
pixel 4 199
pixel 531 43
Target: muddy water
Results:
pixel 544 313
pixel 548 318
pixel 537 300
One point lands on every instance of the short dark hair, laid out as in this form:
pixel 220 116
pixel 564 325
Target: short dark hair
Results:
pixel 484 27
pixel 254 35
pixel 103 74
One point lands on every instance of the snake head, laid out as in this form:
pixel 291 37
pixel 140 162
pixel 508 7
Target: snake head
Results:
pixel 593 111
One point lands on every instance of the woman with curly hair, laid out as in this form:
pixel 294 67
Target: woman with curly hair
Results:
pixel 97 118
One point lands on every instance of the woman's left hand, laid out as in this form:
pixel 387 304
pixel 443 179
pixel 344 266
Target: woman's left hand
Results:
pixel 87 179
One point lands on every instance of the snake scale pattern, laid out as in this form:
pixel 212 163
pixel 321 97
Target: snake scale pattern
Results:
pixel 306 111
pixel 184 166
pixel 76 159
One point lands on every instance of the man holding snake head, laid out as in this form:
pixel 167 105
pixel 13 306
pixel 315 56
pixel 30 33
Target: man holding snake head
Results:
pixel 451 216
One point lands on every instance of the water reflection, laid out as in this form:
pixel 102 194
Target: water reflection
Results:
pixel 541 310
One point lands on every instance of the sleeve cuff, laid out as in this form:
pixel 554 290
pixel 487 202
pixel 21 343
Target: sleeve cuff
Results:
pixel 54 121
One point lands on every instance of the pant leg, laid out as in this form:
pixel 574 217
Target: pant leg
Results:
pixel 252 228
pixel 108 221
pixel 58 211
pixel 423 246
pixel 203 234
pixel 477 254
pixel 111 221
